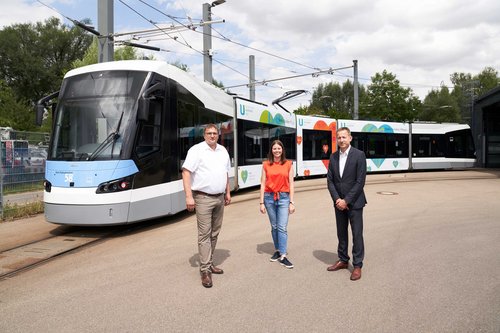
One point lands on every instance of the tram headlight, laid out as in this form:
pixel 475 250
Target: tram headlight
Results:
pixel 113 186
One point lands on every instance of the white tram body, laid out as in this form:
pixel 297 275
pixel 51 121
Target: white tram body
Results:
pixel 122 129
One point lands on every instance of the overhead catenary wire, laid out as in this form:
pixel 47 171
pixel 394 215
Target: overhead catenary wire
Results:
pixel 231 41
pixel 185 44
pixel 75 22
pixel 224 38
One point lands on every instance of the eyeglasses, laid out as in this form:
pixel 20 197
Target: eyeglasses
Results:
pixel 212 133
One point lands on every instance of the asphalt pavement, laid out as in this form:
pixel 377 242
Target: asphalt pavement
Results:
pixel 432 265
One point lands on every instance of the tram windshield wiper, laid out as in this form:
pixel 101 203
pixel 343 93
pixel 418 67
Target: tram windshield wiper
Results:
pixel 112 137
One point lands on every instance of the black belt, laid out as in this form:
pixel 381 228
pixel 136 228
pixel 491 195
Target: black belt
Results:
pixel 208 194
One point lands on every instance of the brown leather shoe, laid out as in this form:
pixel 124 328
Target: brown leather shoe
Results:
pixel 356 274
pixel 206 279
pixel 216 270
pixel 338 265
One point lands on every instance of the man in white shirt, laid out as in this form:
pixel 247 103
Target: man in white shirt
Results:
pixel 206 184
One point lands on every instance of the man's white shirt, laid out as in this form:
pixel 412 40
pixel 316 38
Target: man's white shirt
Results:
pixel 343 159
pixel 209 168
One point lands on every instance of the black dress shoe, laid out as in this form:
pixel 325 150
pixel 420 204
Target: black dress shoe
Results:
pixel 206 279
pixel 216 270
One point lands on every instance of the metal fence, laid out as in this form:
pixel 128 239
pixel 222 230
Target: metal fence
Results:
pixel 22 162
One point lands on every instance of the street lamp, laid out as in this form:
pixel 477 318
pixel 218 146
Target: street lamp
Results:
pixel 217 2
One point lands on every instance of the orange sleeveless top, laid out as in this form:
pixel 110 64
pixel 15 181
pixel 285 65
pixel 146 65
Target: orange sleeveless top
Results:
pixel 277 176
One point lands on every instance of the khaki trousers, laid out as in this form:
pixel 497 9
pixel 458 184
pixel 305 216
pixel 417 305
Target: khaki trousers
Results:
pixel 209 214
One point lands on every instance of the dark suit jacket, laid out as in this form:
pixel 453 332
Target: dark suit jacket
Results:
pixel 350 186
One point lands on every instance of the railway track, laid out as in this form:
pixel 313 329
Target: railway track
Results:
pixel 27 256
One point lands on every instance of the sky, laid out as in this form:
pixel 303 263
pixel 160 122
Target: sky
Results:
pixel 421 42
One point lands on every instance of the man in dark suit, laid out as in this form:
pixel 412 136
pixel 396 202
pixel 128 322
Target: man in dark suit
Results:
pixel 346 179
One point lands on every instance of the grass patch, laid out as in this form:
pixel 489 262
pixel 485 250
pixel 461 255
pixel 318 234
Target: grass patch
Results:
pixel 21 188
pixel 15 211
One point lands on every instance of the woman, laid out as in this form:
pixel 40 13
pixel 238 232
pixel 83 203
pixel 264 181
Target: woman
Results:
pixel 276 197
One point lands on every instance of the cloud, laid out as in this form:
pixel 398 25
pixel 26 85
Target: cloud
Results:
pixel 421 42
pixel 17 12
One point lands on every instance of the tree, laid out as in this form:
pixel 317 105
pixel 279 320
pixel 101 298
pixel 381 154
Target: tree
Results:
pixel 34 57
pixel 488 79
pixel 332 100
pixel 387 100
pixel 440 106
pixel 120 53
pixel 467 87
pixel 13 112
pixel 180 65
pixel 33 61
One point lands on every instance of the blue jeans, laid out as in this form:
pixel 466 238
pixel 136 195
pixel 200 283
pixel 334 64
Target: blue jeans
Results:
pixel 277 210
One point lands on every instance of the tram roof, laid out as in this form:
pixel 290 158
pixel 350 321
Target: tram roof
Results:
pixel 437 128
pixel 211 96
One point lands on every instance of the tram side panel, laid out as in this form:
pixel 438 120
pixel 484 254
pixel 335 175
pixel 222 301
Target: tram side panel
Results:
pixel 442 146
pixel 257 126
pixel 386 144
pixel 316 141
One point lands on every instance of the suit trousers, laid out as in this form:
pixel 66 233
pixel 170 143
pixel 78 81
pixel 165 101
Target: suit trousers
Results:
pixel 354 217
pixel 209 214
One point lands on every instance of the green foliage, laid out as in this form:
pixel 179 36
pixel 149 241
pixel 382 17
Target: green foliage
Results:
pixel 120 53
pixel 180 65
pixel 387 100
pixel 33 60
pixel 440 106
pixel 467 87
pixel 15 211
pixel 34 57
pixel 303 110
pixel 332 100
pixel 14 113
pixel 218 83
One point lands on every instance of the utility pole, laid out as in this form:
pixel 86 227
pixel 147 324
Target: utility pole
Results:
pixel 207 42
pixel 105 27
pixel 251 83
pixel 207 38
pixel 470 95
pixel 356 97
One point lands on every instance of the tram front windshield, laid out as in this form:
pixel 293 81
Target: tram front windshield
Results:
pixel 93 114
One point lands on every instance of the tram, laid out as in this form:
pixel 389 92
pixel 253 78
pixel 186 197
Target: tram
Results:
pixel 122 129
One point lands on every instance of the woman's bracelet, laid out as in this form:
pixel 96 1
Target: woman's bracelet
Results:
pixel 292 203
pixel 261 203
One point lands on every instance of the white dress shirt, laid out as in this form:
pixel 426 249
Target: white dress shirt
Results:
pixel 342 160
pixel 209 168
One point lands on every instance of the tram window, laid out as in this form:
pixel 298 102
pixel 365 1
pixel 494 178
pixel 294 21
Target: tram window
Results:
pixel 316 144
pixel 187 136
pixel 253 142
pixel 375 146
pixel 428 145
pixel 438 147
pixel 456 146
pixel 226 125
pixel 471 151
pixel 150 132
pixel 254 139
pixel 192 120
pixel 287 136
pixel 460 144
pixel 396 146
pixel 421 146
pixel 359 141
